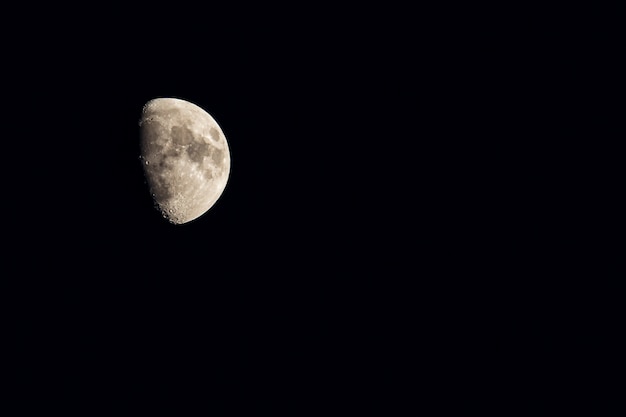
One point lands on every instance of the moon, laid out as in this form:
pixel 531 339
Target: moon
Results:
pixel 185 157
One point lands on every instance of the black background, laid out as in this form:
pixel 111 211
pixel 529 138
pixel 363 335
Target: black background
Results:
pixel 380 244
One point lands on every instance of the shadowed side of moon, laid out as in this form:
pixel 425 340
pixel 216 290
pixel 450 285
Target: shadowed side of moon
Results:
pixel 185 157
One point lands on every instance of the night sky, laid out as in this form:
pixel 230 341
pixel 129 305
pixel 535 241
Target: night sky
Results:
pixel 370 248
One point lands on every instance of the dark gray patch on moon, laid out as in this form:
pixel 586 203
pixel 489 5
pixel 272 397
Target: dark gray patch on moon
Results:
pixel 215 134
pixel 171 153
pixel 181 135
pixel 197 151
pixel 217 155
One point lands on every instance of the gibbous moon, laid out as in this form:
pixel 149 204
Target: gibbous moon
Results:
pixel 185 157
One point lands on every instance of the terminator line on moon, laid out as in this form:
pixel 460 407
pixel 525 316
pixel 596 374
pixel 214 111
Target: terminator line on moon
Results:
pixel 185 157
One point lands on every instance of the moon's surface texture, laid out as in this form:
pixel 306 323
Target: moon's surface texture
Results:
pixel 185 157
